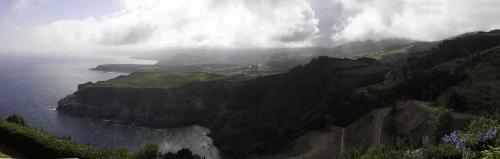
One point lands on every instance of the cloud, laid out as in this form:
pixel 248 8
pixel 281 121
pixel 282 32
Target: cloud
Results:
pixel 188 23
pixel 414 19
pixel 20 5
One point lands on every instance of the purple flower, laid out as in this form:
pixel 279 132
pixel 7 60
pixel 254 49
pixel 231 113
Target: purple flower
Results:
pixel 459 145
pixel 489 135
pixel 453 138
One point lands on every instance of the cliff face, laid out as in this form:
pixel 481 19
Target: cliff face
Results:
pixel 194 103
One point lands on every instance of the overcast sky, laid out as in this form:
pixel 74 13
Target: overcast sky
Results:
pixel 111 25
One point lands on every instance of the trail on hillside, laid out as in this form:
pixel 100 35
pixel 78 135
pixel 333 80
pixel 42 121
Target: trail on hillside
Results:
pixel 379 116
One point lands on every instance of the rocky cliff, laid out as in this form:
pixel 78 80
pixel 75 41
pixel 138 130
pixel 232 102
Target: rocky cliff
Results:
pixel 195 103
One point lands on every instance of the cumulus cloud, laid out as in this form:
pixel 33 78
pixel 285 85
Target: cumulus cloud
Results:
pixel 189 23
pixel 415 19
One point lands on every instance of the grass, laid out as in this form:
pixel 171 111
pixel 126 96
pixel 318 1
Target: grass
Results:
pixel 379 54
pixel 158 79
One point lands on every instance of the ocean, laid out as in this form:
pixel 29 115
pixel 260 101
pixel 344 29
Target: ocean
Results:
pixel 31 85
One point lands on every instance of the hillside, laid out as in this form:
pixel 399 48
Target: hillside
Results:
pixel 236 108
pixel 287 113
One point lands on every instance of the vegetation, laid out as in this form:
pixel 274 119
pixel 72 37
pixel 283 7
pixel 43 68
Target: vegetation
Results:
pixel 39 144
pixel 157 79
pixel 439 120
pixel 16 119
pixel 152 151
pixel 36 143
pixel 390 124
pixel 491 153
pixel 479 140
pixel 397 149
pixel 441 151
pixel 267 113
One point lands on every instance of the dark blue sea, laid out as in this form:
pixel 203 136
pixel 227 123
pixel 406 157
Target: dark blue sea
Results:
pixel 31 85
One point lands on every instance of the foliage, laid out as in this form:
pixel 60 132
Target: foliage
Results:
pixel 267 113
pixel 36 143
pixel 491 153
pixel 152 151
pixel 352 153
pixel 16 119
pixel 147 151
pixel 181 154
pixel 479 139
pixel 386 152
pixel 390 124
pixel 398 148
pixel 441 151
pixel 439 120
pixel 457 101
pixel 479 136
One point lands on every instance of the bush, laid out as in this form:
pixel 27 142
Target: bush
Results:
pixel 441 151
pixel 386 152
pixel 390 124
pixel 181 154
pixel 439 121
pixel 353 153
pixel 491 153
pixel 479 137
pixel 457 101
pixel 152 151
pixel 16 119
pixel 148 151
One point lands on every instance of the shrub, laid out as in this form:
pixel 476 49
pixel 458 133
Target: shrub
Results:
pixel 491 153
pixel 386 152
pixel 16 119
pixel 181 154
pixel 148 151
pixel 441 151
pixel 457 101
pixel 439 121
pixel 152 151
pixel 353 153
pixel 390 124
pixel 479 136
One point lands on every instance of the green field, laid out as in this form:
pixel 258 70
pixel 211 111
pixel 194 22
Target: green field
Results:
pixel 379 54
pixel 158 79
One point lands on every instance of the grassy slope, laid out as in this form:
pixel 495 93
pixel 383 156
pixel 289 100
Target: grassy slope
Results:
pixel 379 54
pixel 40 144
pixel 158 79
